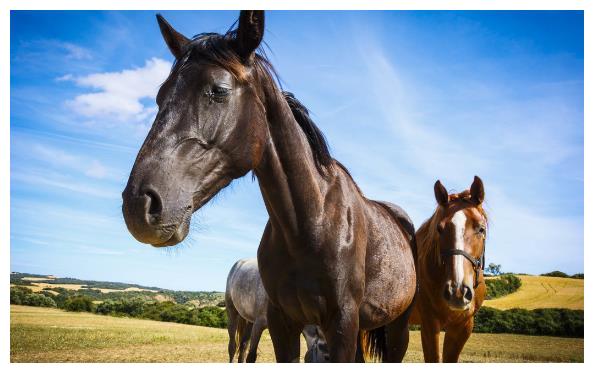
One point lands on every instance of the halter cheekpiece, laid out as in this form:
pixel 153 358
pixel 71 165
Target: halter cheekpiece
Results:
pixel 477 264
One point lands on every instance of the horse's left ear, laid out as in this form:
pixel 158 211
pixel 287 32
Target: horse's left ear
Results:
pixel 174 40
pixel 249 33
pixel 477 191
pixel 441 194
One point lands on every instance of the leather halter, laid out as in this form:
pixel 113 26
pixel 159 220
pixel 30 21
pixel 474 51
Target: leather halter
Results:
pixel 477 264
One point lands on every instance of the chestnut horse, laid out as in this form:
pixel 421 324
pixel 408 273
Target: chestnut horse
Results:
pixel 451 248
pixel 328 256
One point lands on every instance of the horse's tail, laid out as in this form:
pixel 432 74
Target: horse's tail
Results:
pixel 239 332
pixel 373 344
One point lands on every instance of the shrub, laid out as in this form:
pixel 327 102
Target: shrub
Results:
pixel 503 285
pixel 560 322
pixel 26 297
pixel 39 300
pixel 79 304
pixel 18 293
pixel 211 316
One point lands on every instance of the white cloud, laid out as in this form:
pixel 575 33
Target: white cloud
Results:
pixel 57 157
pixel 64 78
pixel 120 93
pixel 76 52
pixel 96 170
pixel 42 179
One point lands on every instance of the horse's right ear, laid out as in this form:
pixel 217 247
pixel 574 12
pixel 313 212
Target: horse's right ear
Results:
pixel 174 40
pixel 250 33
pixel 441 194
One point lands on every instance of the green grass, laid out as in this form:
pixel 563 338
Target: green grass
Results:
pixel 51 335
pixel 543 292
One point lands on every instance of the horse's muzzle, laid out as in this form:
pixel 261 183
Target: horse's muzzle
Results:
pixel 143 214
pixel 458 296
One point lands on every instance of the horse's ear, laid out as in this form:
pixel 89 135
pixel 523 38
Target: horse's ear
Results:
pixel 441 194
pixel 249 33
pixel 477 191
pixel 174 40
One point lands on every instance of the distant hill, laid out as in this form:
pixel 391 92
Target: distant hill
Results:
pixel 543 292
pixel 103 290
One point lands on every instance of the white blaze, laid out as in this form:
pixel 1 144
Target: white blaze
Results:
pixel 459 221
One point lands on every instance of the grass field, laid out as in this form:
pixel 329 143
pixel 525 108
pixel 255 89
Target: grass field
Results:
pixel 543 292
pixel 51 335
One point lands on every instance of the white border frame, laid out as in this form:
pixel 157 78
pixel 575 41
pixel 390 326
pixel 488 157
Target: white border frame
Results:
pixel 8 5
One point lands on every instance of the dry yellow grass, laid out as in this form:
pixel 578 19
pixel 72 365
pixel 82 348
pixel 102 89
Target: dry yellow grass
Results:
pixel 126 289
pixel 38 278
pixel 543 292
pixel 50 335
pixel 39 286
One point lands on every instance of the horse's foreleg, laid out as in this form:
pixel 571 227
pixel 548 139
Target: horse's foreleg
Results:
pixel 284 334
pixel 341 335
pixel 257 330
pixel 455 339
pixel 246 331
pixel 430 329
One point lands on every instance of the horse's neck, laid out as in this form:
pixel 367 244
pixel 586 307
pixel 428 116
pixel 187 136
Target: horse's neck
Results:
pixel 430 260
pixel 291 186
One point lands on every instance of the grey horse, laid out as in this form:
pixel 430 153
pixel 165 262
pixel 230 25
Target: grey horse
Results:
pixel 246 303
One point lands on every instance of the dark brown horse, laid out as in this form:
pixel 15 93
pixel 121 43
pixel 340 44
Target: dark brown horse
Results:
pixel 328 256
pixel 451 262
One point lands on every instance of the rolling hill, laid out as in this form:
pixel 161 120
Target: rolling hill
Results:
pixel 102 290
pixel 543 292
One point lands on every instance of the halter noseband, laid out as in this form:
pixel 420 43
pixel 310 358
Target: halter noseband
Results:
pixel 477 264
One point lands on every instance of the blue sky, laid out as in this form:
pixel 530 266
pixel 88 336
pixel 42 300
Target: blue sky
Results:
pixel 404 98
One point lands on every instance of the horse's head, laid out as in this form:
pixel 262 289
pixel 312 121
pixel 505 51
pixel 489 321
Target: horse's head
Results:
pixel 209 130
pixel 462 228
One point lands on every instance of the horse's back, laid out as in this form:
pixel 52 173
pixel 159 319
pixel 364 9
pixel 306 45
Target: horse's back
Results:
pixel 401 217
pixel 245 290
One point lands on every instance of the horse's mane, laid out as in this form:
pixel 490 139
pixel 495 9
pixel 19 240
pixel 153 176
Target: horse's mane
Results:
pixel 427 235
pixel 315 137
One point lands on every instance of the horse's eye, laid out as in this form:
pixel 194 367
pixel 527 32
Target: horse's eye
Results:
pixel 481 230
pixel 220 91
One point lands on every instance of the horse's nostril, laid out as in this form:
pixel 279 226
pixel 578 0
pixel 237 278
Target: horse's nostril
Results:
pixel 447 293
pixel 467 293
pixel 154 204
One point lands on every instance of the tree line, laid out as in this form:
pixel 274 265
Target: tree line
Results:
pixel 548 321
pixel 137 307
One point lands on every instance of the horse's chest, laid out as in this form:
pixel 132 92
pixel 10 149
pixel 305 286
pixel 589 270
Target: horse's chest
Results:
pixel 300 296
pixel 296 288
